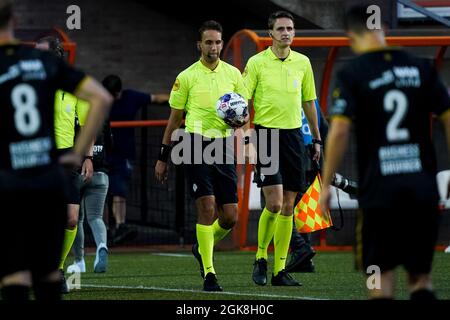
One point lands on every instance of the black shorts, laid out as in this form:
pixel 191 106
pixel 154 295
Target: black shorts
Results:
pixel 74 180
pixel 392 236
pixel 32 230
pixel 218 179
pixel 75 183
pixel 287 165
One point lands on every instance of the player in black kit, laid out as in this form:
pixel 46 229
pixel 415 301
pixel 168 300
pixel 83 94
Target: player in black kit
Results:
pixel 32 183
pixel 389 95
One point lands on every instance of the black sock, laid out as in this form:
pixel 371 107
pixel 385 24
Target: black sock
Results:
pixel 47 291
pixel 423 294
pixel 15 293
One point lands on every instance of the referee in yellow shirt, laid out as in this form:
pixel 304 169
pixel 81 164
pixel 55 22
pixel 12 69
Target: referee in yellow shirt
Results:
pixel 281 82
pixel 196 91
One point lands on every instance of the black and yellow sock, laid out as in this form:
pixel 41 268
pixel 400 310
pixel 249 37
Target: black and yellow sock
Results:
pixel 266 227
pixel 281 240
pixel 219 232
pixel 205 239
pixel 69 238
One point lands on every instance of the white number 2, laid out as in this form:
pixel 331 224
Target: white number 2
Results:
pixel 26 116
pixel 396 101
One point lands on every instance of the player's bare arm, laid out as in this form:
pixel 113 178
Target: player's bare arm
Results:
pixel 159 98
pixel 336 145
pixel 175 119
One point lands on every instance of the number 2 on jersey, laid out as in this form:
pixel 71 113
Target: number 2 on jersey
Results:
pixel 396 101
pixel 26 115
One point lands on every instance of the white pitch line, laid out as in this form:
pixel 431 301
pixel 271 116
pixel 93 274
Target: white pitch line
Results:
pixel 177 255
pixel 262 295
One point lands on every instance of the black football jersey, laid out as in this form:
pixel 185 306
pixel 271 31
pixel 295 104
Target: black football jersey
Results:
pixel 29 79
pixel 389 95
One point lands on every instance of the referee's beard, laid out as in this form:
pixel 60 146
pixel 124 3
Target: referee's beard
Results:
pixel 211 57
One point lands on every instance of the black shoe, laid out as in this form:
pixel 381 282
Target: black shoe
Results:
pixel 64 287
pixel 211 284
pixel 259 275
pixel 300 256
pixel 123 234
pixel 305 267
pixel 284 279
pixel 197 256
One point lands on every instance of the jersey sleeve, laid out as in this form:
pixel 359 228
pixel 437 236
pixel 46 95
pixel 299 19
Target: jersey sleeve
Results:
pixel 240 86
pixel 82 109
pixel 68 78
pixel 250 77
pixel 342 100
pixel 136 100
pixel 179 93
pixel 308 84
pixel 143 99
pixel 439 99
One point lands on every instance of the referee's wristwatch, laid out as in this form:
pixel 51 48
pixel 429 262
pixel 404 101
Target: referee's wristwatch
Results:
pixel 88 157
pixel 317 141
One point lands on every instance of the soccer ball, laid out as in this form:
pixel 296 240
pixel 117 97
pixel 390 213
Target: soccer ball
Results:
pixel 233 109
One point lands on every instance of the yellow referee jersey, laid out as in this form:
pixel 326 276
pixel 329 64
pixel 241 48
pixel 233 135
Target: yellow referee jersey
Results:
pixel 66 107
pixel 197 90
pixel 279 87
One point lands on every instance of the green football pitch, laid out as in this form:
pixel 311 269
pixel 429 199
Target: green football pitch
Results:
pixel 175 276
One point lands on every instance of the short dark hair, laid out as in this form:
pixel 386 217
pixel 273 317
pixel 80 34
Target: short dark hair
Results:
pixel 210 25
pixel 6 12
pixel 113 84
pixel 54 45
pixel 277 15
pixel 355 19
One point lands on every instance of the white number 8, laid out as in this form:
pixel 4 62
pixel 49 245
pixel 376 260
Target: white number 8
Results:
pixel 26 117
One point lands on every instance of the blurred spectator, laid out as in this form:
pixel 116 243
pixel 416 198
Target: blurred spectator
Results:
pixel 126 104
pixel 93 197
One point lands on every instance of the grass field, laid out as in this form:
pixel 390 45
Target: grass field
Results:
pixel 175 276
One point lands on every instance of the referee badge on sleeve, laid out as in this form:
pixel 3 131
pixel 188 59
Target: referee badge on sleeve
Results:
pixel 176 85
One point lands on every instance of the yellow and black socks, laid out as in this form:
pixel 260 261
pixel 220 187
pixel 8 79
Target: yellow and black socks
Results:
pixel 266 227
pixel 205 239
pixel 69 238
pixel 281 240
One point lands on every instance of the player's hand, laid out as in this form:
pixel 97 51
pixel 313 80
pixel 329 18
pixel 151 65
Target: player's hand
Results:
pixel 70 160
pixel 161 171
pixel 87 170
pixel 238 124
pixel 325 198
pixel 316 152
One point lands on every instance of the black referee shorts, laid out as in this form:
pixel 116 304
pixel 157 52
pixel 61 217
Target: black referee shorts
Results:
pixel 290 160
pixel 393 236
pixel 32 230
pixel 217 178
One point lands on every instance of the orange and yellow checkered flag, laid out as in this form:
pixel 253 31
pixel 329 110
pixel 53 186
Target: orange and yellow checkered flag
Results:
pixel 307 213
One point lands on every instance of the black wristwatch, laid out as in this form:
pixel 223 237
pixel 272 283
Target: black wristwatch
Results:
pixel 317 141
pixel 88 157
